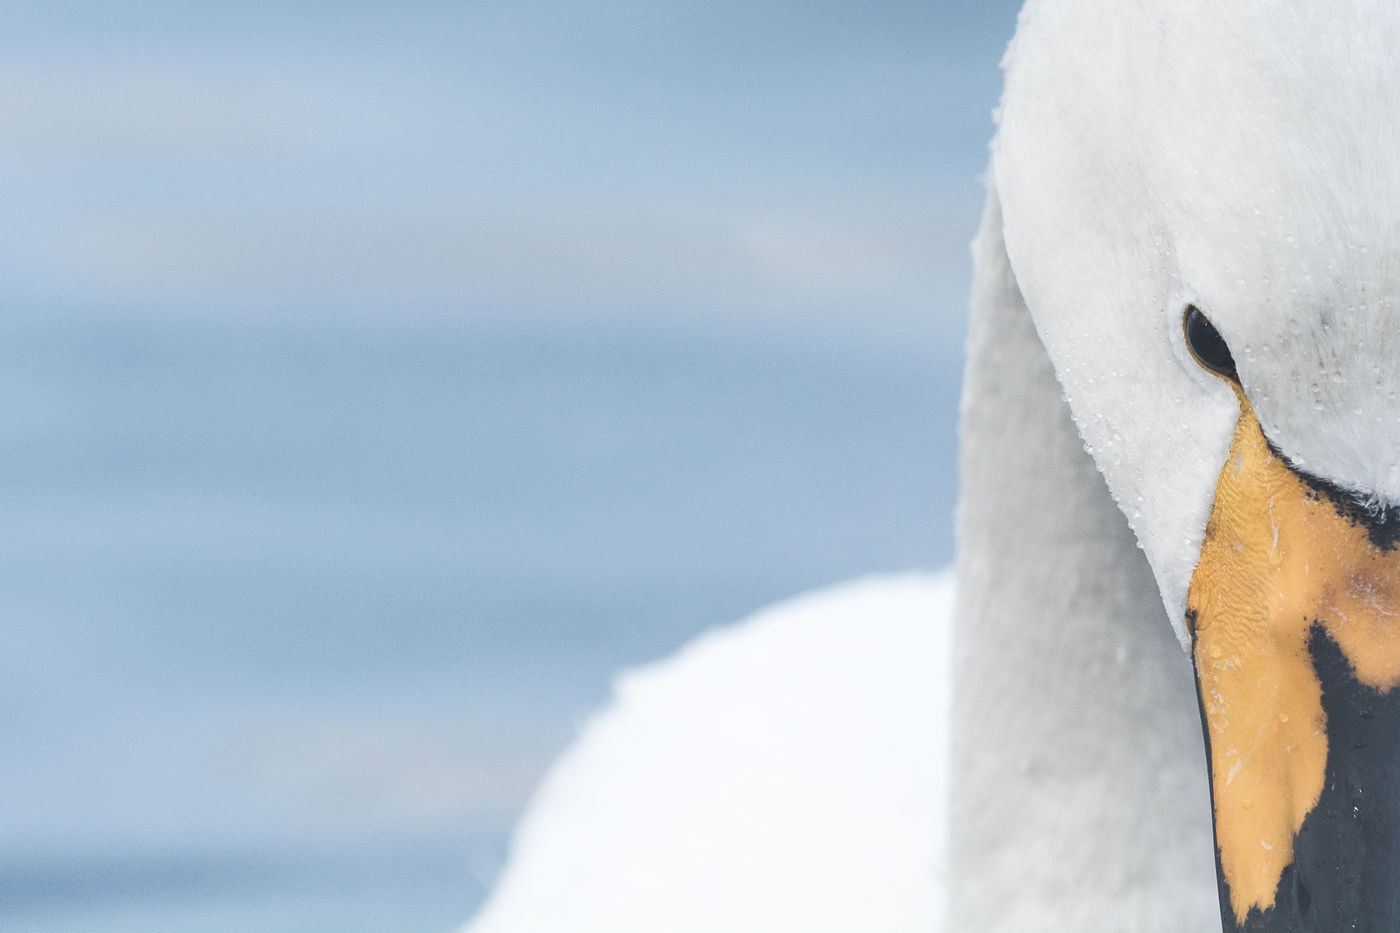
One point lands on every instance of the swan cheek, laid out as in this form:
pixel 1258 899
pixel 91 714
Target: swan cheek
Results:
pixel 1294 613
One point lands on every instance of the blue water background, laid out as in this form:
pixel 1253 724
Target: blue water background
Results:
pixel 377 381
pixel 298 612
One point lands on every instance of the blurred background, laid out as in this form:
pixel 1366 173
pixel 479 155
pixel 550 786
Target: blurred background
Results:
pixel 377 380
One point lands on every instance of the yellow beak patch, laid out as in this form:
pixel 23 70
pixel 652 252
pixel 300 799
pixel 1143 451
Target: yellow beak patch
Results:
pixel 1279 558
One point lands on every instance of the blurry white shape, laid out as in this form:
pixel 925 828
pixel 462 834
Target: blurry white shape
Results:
pixel 786 773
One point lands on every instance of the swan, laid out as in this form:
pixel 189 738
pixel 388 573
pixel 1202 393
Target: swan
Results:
pixel 1177 598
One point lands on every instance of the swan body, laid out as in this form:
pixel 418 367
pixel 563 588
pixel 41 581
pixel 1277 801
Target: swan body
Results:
pixel 689 804
pixel 1122 498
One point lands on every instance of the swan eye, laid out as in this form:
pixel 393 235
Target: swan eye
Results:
pixel 1206 344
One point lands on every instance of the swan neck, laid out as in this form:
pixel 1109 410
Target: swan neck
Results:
pixel 1078 776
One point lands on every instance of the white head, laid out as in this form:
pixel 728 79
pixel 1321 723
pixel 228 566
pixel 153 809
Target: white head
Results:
pixel 1244 158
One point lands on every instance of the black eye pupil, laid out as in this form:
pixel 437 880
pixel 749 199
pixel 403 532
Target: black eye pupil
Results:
pixel 1207 345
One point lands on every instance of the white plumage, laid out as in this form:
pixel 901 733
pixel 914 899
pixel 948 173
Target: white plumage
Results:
pixel 780 774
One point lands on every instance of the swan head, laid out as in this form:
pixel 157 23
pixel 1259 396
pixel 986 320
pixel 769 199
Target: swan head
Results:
pixel 1177 172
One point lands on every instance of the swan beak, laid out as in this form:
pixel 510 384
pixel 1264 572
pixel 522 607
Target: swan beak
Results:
pixel 1294 614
